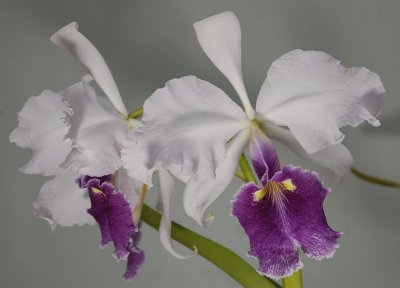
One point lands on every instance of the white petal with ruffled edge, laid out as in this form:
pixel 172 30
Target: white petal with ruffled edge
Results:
pixel 337 158
pixel 167 190
pixel 62 202
pixel 201 193
pixel 79 46
pixel 313 95
pixel 220 38
pixel 96 132
pixel 187 124
pixel 42 130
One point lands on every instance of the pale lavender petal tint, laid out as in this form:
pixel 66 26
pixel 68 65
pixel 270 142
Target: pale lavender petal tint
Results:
pixel 263 155
pixel 114 214
pixel 288 216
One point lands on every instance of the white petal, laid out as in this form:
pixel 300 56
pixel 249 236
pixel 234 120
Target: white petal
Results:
pixel 313 95
pixel 79 46
pixel 96 132
pixel 167 189
pixel 42 130
pixel 128 185
pixel 187 124
pixel 201 193
pixel 337 158
pixel 62 202
pixel 220 38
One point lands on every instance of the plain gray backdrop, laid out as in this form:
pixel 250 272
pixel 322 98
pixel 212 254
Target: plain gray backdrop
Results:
pixel 149 42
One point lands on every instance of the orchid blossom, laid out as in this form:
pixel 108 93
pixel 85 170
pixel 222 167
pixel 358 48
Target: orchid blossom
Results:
pixel 283 214
pixel 78 134
pixel 194 126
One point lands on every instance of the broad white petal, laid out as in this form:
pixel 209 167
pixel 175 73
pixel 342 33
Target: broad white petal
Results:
pixel 220 38
pixel 337 158
pixel 167 189
pixel 187 124
pixel 80 47
pixel 41 129
pixel 313 95
pixel 128 185
pixel 62 202
pixel 96 132
pixel 201 193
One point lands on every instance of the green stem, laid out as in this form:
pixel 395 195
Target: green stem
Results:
pixel 375 180
pixel 296 279
pixel 136 114
pixel 293 281
pixel 246 169
pixel 220 256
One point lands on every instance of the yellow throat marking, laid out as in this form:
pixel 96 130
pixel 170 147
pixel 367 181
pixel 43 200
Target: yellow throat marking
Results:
pixel 275 189
pixel 97 191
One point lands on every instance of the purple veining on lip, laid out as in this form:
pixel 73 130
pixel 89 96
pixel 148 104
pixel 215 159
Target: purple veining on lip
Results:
pixel 284 221
pixel 113 213
pixel 263 155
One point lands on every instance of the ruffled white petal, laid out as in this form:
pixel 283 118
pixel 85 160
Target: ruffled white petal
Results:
pixel 201 193
pixel 62 202
pixel 313 95
pixel 80 47
pixel 167 189
pixel 96 132
pixel 220 38
pixel 41 129
pixel 187 124
pixel 337 158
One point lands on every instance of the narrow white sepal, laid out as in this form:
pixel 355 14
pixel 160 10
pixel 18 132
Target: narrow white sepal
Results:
pixel 167 189
pixel 220 38
pixel 80 47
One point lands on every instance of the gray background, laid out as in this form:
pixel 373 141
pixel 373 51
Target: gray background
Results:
pixel 149 42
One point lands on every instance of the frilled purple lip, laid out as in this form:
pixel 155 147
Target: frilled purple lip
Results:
pixel 113 213
pixel 283 215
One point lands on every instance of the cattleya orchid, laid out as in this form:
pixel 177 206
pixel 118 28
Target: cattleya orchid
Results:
pixel 193 128
pixel 102 160
pixel 78 134
pixel 282 214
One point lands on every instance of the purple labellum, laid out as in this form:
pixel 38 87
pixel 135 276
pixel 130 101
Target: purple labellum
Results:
pixel 113 213
pixel 135 261
pixel 284 215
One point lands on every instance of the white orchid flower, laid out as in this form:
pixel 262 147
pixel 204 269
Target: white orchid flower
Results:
pixel 76 132
pixel 306 98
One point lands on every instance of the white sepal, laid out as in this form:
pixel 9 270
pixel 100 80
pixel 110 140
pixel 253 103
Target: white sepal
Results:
pixel 80 47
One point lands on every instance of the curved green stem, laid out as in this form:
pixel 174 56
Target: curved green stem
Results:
pixel 220 256
pixel 375 180
pixel 293 281
pixel 246 169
